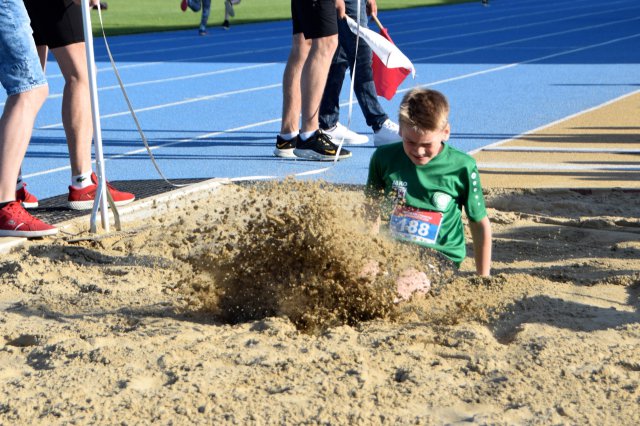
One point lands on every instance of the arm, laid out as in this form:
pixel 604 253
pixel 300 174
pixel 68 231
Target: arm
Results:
pixel 372 8
pixel 91 2
pixel 340 7
pixel 481 235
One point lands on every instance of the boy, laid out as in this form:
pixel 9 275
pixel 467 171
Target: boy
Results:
pixel 427 182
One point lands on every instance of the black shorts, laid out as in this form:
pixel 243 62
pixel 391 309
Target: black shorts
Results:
pixel 314 18
pixel 55 23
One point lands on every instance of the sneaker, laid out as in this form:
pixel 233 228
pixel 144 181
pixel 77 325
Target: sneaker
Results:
pixel 319 147
pixel 15 221
pixel 28 200
pixel 228 7
pixel 225 24
pixel 202 32
pixel 184 5
pixel 102 5
pixel 82 199
pixel 348 137
pixel 284 148
pixel 388 133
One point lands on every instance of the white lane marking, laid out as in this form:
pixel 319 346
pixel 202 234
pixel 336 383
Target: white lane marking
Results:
pixel 550 166
pixel 557 149
pixel 553 123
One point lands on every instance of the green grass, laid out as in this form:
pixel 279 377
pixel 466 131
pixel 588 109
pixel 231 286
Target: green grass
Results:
pixel 139 16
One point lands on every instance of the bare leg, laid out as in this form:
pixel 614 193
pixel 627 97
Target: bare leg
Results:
pixel 291 84
pixel 314 78
pixel 76 105
pixel 16 126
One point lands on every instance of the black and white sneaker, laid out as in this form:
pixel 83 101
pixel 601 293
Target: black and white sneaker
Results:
pixel 319 148
pixel 284 147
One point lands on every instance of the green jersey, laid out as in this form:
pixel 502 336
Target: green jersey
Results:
pixel 424 203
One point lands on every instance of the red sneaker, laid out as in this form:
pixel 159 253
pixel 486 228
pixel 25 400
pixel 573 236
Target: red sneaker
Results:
pixel 183 5
pixel 82 199
pixel 28 200
pixel 15 221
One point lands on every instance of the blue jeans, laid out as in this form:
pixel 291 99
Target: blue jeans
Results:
pixel 20 69
pixel 364 87
pixel 206 8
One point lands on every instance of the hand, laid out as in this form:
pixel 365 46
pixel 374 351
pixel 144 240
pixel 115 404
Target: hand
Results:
pixel 340 7
pixel 91 2
pixel 411 282
pixel 372 8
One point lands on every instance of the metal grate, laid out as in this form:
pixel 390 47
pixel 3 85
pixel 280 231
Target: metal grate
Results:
pixel 54 210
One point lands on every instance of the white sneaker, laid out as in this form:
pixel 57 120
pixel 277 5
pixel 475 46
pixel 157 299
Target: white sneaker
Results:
pixel 350 137
pixel 388 133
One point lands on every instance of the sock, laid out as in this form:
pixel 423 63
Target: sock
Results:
pixel 306 135
pixel 288 136
pixel 20 183
pixel 82 180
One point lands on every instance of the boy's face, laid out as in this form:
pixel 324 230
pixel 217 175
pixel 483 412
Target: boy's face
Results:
pixel 422 147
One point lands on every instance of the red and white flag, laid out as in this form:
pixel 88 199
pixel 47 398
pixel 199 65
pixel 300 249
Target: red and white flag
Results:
pixel 390 66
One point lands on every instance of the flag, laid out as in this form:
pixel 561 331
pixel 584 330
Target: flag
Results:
pixel 390 66
pixel 386 79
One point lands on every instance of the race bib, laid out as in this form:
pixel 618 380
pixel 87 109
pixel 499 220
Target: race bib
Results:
pixel 412 224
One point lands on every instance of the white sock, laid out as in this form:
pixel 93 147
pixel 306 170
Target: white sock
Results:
pixel 82 180
pixel 306 135
pixel 288 136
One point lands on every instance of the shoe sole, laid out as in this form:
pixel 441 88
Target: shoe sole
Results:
pixel 308 154
pixel 88 205
pixel 284 153
pixel 29 205
pixel 29 234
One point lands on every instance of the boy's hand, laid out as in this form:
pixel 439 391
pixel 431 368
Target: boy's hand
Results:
pixel 411 282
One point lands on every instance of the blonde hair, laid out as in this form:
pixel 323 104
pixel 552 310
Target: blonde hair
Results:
pixel 424 110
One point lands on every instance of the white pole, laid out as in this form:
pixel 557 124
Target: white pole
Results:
pixel 100 203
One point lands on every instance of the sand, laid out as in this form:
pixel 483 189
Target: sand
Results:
pixel 205 314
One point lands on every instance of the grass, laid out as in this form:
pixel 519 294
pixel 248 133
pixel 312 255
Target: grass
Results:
pixel 139 16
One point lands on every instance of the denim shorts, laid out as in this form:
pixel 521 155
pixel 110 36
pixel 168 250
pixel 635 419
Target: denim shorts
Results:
pixel 20 69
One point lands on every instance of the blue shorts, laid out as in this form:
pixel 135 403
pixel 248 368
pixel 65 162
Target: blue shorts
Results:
pixel 20 69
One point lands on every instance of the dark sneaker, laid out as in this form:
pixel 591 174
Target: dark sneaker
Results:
pixel 28 200
pixel 15 221
pixel 82 199
pixel 284 148
pixel 225 24
pixel 320 148
pixel 183 5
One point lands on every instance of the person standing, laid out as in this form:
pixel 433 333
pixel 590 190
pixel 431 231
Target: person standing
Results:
pixel 315 38
pixel 57 25
pixel 385 131
pixel 26 87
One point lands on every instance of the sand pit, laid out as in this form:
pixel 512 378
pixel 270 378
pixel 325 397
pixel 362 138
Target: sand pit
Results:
pixel 202 315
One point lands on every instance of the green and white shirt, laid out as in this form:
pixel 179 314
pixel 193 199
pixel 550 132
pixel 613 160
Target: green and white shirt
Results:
pixel 424 203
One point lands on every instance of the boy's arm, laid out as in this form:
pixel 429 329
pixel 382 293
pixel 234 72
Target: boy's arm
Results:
pixel 481 235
